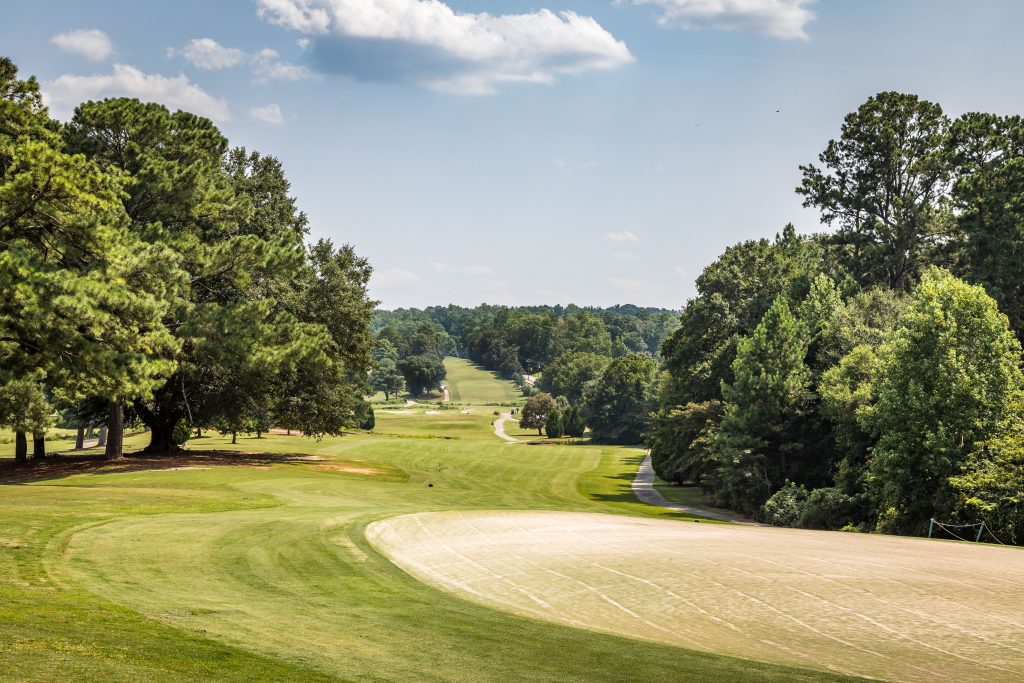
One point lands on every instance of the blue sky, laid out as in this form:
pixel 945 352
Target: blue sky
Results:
pixel 550 151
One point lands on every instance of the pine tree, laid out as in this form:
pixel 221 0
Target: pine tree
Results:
pixel 771 384
pixel 554 427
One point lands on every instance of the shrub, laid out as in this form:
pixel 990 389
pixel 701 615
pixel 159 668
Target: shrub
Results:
pixel 830 508
pixel 786 506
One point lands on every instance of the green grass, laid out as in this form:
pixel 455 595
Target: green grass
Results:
pixel 261 571
pixel 469 383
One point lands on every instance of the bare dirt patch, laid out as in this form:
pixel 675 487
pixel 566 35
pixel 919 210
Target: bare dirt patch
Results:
pixel 877 606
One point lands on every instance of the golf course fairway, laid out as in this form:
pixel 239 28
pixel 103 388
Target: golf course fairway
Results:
pixel 286 558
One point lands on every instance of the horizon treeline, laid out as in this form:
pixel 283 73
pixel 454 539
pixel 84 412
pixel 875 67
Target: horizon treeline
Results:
pixel 868 378
pixel 153 273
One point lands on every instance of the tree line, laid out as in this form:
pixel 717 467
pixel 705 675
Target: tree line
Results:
pixel 867 378
pixel 152 273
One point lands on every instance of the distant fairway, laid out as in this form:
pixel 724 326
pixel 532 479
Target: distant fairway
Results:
pixel 468 383
pixel 257 566
pixel 878 606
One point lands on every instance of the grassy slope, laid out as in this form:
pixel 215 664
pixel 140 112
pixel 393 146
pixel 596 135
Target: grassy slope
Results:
pixel 237 573
pixel 468 383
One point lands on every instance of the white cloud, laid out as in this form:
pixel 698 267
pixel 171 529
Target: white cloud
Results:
pixel 176 92
pixel 395 277
pixel 680 271
pixel 625 256
pixel 303 42
pixel 430 45
pixel 778 18
pixel 440 267
pixel 92 43
pixel 268 114
pixel 478 270
pixel 207 53
pixel 629 286
pixel 624 236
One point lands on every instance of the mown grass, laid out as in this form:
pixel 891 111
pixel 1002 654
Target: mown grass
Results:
pixel 261 571
pixel 469 383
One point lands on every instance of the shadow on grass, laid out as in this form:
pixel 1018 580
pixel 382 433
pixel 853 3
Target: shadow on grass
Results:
pixel 61 466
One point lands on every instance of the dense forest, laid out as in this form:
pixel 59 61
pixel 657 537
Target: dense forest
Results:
pixel 869 377
pixel 150 273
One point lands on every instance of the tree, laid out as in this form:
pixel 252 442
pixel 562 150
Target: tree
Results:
pixel 847 392
pixel 82 297
pixel 573 424
pixel 24 408
pixel 422 373
pixel 991 486
pixel 536 411
pixel 768 394
pixel 583 332
pixel 681 440
pixel 618 405
pixel 734 293
pixel 553 426
pixel 988 156
pixel 567 374
pixel 258 303
pixel 387 378
pixel 946 381
pixel 882 184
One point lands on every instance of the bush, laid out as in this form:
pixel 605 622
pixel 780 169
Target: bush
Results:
pixel 830 508
pixel 182 432
pixel 786 506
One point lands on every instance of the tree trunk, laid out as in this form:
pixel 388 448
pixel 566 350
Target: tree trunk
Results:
pixel 199 432
pixel 289 430
pixel 234 437
pixel 161 440
pixel 80 436
pixel 88 432
pixel 39 445
pixel 115 430
pixel 20 447
pixel 102 440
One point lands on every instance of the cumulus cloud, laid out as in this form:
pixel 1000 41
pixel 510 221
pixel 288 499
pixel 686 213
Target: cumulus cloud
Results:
pixel 428 44
pixel 91 43
pixel 268 114
pixel 207 53
pixel 176 92
pixel 625 256
pixel 266 64
pixel 778 18
pixel 394 277
pixel 624 236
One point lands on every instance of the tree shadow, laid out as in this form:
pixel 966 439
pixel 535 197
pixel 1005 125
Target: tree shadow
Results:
pixel 62 466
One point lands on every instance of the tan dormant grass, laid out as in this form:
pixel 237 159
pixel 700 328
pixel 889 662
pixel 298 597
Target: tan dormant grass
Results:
pixel 867 605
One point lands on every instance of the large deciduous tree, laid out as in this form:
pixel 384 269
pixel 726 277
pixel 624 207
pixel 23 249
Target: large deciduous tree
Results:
pixel 618 405
pixel 252 322
pixel 945 383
